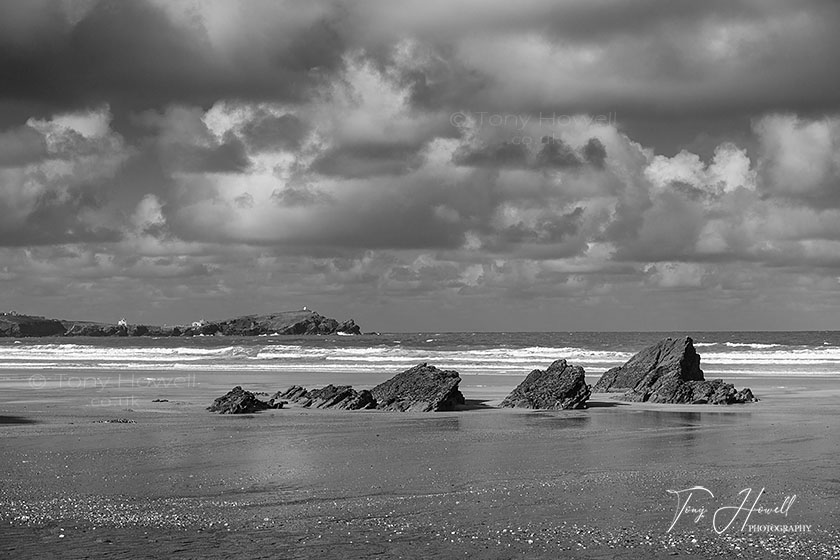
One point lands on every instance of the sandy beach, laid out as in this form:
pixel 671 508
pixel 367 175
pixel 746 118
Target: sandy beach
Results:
pixel 179 482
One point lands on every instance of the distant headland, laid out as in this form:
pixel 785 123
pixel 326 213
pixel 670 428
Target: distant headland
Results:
pixel 302 322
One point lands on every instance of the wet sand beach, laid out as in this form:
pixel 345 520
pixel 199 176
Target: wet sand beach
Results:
pixel 179 482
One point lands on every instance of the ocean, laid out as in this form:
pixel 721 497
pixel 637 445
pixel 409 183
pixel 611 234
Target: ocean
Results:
pixel 730 355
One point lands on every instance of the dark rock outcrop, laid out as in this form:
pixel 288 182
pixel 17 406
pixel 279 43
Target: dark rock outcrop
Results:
pixel 348 327
pixel 138 330
pixel 27 325
pixel 96 329
pixel 669 372
pixel 671 357
pixel 561 386
pixel 423 388
pixel 717 391
pixel 342 397
pixel 237 401
pixel 287 322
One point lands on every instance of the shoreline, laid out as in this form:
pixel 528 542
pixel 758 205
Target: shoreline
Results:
pixel 501 482
pixel 182 482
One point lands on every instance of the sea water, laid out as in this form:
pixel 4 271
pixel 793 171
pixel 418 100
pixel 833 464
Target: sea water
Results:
pixel 731 355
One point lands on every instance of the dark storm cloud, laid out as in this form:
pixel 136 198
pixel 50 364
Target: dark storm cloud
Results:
pixel 270 132
pixel 367 160
pixel 228 157
pixel 595 152
pixel 548 230
pixel 443 81
pixel 555 153
pixel 672 61
pixel 20 146
pixel 294 196
pixel 56 217
pixel 133 56
pixel 503 154
pixel 580 20
pixel 668 230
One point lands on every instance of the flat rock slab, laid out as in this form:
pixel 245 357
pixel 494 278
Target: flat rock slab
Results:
pixel 341 397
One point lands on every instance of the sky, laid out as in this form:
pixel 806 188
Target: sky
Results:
pixel 423 165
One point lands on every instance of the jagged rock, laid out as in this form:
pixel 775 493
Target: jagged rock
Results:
pixel 561 386
pixel 342 397
pixel 85 330
pixel 423 388
pixel 420 389
pixel 745 395
pixel 717 391
pixel 138 330
pixel 670 356
pixel 348 327
pixel 294 394
pixel 360 401
pixel 237 401
pixel 27 325
pixel 97 329
pixel 669 372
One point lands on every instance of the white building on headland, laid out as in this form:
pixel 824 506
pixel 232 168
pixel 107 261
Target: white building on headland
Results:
pixel 122 323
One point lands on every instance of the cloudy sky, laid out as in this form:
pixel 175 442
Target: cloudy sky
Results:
pixel 424 165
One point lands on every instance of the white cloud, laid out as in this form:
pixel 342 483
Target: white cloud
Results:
pixel 729 169
pixel 799 157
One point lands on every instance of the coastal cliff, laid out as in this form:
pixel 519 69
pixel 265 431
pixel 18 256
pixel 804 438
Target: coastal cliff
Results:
pixel 25 325
pixel 303 322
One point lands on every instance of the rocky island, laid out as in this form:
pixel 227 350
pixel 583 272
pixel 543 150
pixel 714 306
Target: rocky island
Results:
pixel 303 322
pixel 669 372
